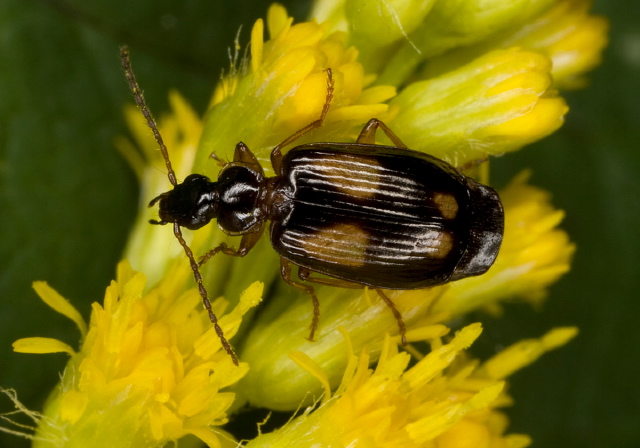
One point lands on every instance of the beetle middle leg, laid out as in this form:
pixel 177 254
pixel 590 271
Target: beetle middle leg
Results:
pixel 285 271
pixel 246 244
pixel 305 274
pixel 276 153
pixel 368 134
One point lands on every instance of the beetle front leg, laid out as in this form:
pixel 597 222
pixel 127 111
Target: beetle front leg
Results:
pixel 246 244
pixel 285 271
pixel 244 156
pixel 221 163
pixel 368 134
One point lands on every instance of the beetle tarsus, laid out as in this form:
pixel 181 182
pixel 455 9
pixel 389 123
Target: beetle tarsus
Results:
pixel 204 258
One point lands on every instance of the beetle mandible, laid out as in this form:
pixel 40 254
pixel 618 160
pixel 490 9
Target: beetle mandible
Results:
pixel 362 214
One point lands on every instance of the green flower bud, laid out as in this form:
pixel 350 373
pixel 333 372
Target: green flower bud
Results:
pixel 497 103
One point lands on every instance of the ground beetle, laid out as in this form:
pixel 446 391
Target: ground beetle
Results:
pixel 360 213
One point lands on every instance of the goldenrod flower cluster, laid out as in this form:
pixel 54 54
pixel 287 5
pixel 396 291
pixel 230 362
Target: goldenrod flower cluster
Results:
pixel 459 79
pixel 150 369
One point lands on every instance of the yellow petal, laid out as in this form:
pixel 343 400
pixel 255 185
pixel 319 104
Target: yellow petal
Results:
pixel 308 364
pixel 41 345
pixel 257 44
pixel 544 117
pixel 278 20
pixel 466 434
pixel 60 304
pixel 208 437
pixel 526 352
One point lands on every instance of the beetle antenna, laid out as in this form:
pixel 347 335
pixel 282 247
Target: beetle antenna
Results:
pixel 139 98
pixel 203 293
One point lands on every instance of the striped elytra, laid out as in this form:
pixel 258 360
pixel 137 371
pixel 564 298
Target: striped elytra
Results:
pixel 383 216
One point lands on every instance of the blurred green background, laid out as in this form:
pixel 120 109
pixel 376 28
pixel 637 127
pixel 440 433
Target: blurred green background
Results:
pixel 67 198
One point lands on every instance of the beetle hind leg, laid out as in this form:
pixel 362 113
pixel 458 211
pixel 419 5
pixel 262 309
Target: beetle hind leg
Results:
pixel 285 271
pixel 401 327
pixel 305 275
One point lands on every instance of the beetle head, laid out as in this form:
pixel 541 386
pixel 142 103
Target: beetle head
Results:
pixel 191 204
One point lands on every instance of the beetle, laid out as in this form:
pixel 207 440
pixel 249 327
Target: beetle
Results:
pixel 361 214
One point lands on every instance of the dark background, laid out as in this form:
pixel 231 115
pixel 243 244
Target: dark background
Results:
pixel 67 198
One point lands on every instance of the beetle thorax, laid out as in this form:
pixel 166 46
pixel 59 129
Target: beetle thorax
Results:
pixel 239 189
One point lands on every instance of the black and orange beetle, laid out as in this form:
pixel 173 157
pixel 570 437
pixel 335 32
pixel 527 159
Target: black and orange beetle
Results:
pixel 362 214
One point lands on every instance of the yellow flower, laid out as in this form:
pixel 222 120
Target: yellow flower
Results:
pixel 446 399
pixel 150 369
pixel 286 87
pixel 566 33
pixel 573 39
pixel 261 103
pixel 496 103
pixel 395 37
